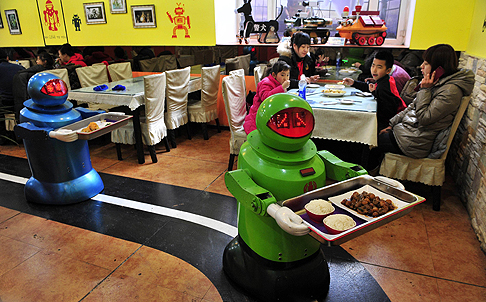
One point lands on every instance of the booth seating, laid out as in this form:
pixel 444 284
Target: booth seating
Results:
pixel 152 124
pixel 120 71
pixel 425 170
pixel 206 109
pixel 234 96
pixel 177 93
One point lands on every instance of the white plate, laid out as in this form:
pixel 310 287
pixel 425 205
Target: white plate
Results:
pixel 334 86
pixel 313 86
pixel 346 102
pixel 364 94
pixel 334 94
pixel 336 200
pixel 346 71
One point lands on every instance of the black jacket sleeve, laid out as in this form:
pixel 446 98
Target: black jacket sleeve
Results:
pixel 387 104
pixel 361 86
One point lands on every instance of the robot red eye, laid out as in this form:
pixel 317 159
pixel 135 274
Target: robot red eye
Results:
pixel 55 87
pixel 292 122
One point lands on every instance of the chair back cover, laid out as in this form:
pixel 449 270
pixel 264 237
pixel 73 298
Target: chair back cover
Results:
pixel 176 93
pixel 258 73
pixel 61 73
pixel 185 60
pixel 92 75
pixel 206 109
pixel 154 88
pixel 165 63
pixel 234 96
pixel 148 65
pixel 120 71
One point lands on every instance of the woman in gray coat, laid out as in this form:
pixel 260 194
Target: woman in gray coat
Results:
pixel 413 131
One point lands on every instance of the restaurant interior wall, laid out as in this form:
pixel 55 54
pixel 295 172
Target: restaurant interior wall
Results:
pixel 477 39
pixel 118 29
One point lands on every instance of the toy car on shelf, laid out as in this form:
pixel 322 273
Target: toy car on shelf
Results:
pixel 315 27
pixel 362 27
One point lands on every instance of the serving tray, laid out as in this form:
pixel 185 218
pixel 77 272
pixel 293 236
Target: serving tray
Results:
pixel 115 120
pixel 404 200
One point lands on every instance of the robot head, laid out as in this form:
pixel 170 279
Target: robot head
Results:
pixel 47 89
pixel 49 5
pixel 179 10
pixel 285 122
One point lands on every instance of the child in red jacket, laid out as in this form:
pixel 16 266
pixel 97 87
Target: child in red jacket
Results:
pixel 276 82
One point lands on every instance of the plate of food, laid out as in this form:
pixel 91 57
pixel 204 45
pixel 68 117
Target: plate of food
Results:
pixel 346 71
pixel 333 92
pixel 335 86
pixel 313 86
pixel 367 202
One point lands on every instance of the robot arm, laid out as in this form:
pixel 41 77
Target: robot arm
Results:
pixel 262 202
pixel 188 22
pixel 338 170
pixel 32 132
pixel 170 17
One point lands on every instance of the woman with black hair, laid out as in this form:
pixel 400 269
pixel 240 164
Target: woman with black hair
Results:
pixel 296 54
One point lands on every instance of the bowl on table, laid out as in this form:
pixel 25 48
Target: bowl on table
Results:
pixel 334 86
pixel 334 92
pixel 318 209
pixel 346 72
pixel 338 223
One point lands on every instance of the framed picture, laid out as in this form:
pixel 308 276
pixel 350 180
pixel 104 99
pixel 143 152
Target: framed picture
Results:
pixel 95 12
pixel 143 16
pixel 118 6
pixel 13 21
pixel 1 22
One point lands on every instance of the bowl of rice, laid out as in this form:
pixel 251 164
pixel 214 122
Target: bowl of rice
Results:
pixel 318 209
pixel 338 223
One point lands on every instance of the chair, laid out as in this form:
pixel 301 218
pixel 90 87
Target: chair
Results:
pixel 62 73
pixel 167 62
pixel 91 76
pixel 206 109
pixel 148 65
pixel 239 62
pixel 152 124
pixel 234 96
pixel 259 72
pixel 177 90
pixel 185 60
pixel 120 71
pixel 425 170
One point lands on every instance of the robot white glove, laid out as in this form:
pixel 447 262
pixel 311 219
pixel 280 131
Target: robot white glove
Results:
pixel 288 220
pixel 64 135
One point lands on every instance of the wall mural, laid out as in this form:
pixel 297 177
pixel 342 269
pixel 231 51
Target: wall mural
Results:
pixel 52 22
pixel 77 22
pixel 180 21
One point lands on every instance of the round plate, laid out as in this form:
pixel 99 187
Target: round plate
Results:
pixel 313 86
pixel 334 86
pixel 334 94
pixel 346 102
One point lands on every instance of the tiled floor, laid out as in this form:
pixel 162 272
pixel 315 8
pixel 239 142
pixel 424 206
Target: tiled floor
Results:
pixel 68 254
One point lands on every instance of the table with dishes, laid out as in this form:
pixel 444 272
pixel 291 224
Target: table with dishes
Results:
pixel 342 113
pixel 130 93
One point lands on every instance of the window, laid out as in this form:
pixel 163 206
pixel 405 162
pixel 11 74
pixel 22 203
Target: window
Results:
pixel 394 12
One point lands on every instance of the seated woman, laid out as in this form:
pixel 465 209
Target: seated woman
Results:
pixel 296 54
pixel 412 132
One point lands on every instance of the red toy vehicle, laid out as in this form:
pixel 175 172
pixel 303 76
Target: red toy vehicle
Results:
pixel 363 28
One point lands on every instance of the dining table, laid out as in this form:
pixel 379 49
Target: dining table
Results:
pixel 132 96
pixel 350 117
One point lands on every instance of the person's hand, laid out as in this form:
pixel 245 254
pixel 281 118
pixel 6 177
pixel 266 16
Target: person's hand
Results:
pixel 428 80
pixel 286 85
pixel 64 135
pixel 372 87
pixel 348 81
pixel 357 64
pixel 312 79
pixel 385 130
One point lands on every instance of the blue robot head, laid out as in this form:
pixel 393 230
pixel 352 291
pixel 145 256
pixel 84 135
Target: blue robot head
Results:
pixel 285 122
pixel 47 89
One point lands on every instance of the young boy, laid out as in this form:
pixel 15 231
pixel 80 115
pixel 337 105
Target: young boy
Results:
pixel 383 89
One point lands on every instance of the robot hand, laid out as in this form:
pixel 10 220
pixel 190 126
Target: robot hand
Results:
pixel 288 220
pixel 64 135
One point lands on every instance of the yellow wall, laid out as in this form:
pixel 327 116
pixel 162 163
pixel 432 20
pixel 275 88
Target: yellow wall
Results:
pixel 477 40
pixel 29 24
pixel 442 21
pixel 118 31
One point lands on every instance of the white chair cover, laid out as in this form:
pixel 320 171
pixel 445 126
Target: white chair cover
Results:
pixel 234 96
pixel 425 170
pixel 62 73
pixel 120 71
pixel 258 73
pixel 92 75
pixel 176 93
pixel 10 121
pixel 24 63
pixel 165 63
pixel 205 110
pixel 152 124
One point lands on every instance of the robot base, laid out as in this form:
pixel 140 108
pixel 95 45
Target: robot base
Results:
pixel 265 280
pixel 69 192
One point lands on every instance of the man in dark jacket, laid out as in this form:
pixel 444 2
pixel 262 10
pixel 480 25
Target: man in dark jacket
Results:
pixel 7 73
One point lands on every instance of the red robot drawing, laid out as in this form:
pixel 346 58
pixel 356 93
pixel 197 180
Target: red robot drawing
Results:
pixel 180 21
pixel 51 16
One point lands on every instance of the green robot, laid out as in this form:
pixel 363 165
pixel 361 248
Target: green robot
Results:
pixel 272 258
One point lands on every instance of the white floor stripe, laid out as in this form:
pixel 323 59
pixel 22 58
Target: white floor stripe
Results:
pixel 190 217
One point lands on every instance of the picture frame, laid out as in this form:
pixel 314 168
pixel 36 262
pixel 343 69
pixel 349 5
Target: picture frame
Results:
pixel 1 21
pixel 143 16
pixel 13 21
pixel 95 12
pixel 118 6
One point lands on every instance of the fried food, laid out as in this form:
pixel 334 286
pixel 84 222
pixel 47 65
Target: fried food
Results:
pixel 91 127
pixel 369 204
pixel 333 91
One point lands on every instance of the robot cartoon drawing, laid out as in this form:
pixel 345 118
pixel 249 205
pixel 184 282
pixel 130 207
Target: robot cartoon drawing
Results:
pixel 51 16
pixel 77 22
pixel 180 21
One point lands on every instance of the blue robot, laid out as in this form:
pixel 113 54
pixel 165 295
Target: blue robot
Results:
pixel 59 162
